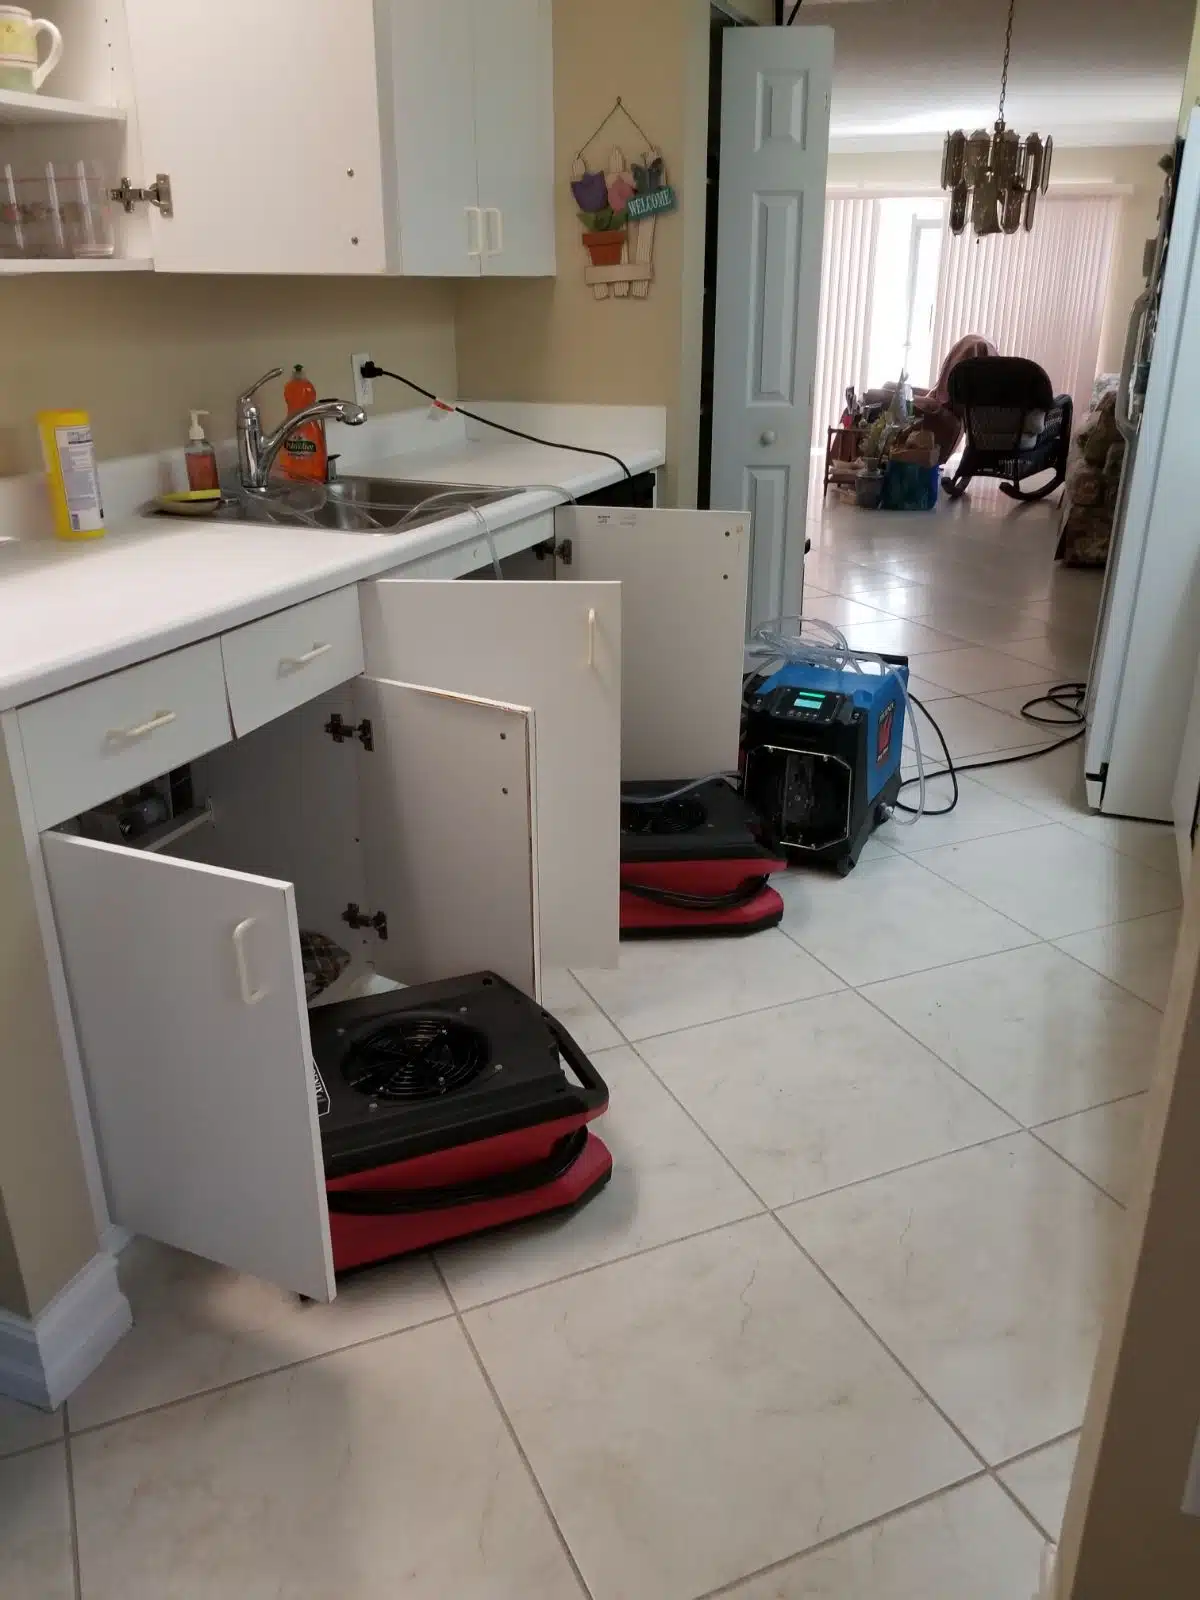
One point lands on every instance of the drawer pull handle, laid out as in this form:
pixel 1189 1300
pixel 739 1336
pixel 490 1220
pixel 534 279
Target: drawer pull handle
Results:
pixel 291 663
pixel 592 637
pixel 250 995
pixel 160 719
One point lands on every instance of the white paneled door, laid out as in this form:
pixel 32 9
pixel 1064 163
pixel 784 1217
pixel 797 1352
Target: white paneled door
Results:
pixel 774 153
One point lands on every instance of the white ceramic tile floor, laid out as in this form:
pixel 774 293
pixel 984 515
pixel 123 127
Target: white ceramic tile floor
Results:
pixel 963 1265
pixel 1137 955
pixel 1042 1481
pixel 666 1393
pixel 1102 1143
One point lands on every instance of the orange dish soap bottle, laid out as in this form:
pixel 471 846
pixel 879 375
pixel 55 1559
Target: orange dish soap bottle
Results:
pixel 303 457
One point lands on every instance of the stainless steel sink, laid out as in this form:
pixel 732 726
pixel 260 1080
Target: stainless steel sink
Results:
pixel 362 505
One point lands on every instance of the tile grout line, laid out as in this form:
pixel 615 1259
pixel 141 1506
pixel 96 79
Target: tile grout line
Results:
pixel 513 1435
pixel 1050 1538
pixel 1099 1187
pixel 72 1508
pixel 268 1372
pixel 839 1538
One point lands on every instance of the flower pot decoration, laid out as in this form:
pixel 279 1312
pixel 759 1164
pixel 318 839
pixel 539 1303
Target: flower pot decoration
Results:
pixel 619 210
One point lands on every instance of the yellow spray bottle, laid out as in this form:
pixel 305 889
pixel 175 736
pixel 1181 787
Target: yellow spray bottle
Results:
pixel 70 458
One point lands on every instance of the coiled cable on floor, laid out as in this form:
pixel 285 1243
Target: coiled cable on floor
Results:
pixel 1066 697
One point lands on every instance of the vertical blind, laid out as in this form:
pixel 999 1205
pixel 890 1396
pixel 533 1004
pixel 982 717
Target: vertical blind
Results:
pixel 1038 294
pixel 847 279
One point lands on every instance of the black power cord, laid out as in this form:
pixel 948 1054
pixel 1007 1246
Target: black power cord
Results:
pixel 795 10
pixel 372 369
pixel 1067 697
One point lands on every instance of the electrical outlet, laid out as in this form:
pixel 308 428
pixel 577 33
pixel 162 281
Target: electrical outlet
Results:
pixel 364 388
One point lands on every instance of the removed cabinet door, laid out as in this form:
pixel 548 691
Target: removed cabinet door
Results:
pixel 514 134
pixel 266 120
pixel 188 997
pixel 556 649
pixel 449 834
pixel 683 612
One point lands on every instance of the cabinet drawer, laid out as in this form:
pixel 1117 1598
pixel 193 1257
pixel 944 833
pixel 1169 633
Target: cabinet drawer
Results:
pixel 277 664
pixel 89 744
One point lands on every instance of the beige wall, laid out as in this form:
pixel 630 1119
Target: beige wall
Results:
pixel 47 1230
pixel 137 350
pixel 12 1285
pixel 551 339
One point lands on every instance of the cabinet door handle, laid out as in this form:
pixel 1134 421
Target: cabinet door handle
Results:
pixel 495 234
pixel 592 637
pixel 474 232
pixel 250 995
pixel 291 663
pixel 159 720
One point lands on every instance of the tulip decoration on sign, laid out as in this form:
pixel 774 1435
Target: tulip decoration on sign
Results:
pixel 619 209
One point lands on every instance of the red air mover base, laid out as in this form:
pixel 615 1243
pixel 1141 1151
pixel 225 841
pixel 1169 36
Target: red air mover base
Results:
pixel 693 867
pixel 584 1169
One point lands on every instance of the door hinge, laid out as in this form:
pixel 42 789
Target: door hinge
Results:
pixel 158 194
pixel 366 919
pixel 549 547
pixel 339 730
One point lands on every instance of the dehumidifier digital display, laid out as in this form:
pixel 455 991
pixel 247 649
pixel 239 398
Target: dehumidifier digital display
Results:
pixel 809 702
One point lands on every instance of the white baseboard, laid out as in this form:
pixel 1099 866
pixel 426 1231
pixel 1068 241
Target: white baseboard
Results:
pixel 44 1358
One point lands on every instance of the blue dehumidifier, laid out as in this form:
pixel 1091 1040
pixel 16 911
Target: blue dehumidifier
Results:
pixel 821 749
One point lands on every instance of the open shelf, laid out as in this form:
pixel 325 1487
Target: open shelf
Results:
pixel 19 266
pixel 17 107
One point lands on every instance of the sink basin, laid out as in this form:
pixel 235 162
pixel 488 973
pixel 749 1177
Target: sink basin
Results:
pixel 363 505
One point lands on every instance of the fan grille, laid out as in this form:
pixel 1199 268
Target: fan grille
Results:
pixel 415 1058
pixel 671 817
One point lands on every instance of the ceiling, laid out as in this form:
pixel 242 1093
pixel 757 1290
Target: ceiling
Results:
pixel 1089 71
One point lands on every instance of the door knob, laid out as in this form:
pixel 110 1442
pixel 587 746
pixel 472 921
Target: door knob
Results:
pixel 768 436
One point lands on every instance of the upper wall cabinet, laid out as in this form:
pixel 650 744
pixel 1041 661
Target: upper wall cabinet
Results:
pixel 264 116
pixel 467 102
pixel 287 136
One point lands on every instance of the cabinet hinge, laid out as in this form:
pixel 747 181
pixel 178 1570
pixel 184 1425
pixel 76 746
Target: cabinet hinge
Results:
pixel 158 194
pixel 365 919
pixel 339 730
pixel 563 549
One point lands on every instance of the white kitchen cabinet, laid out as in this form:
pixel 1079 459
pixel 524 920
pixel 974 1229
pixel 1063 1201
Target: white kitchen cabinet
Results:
pixel 266 120
pixel 454 808
pixel 467 102
pixel 186 980
pixel 300 136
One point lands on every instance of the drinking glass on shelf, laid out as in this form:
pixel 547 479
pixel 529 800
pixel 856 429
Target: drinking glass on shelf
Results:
pixel 84 209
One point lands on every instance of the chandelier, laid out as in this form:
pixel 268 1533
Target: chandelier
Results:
pixel 997 177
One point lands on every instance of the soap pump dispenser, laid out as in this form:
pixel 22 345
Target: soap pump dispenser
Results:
pixel 200 457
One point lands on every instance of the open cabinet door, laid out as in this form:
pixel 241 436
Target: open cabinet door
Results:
pixel 683 618
pixel 448 831
pixel 557 650
pixel 265 117
pixel 188 997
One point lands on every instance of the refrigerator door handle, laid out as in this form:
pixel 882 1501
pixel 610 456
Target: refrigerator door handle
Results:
pixel 1125 424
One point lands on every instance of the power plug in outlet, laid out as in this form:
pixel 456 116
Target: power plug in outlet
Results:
pixel 364 388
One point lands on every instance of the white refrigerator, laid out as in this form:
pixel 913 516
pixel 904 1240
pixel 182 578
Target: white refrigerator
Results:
pixel 1148 641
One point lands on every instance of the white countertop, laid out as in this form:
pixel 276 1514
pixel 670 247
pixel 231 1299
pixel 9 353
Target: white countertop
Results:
pixel 73 611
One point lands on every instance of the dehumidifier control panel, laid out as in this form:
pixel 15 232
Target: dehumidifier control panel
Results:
pixel 810 706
